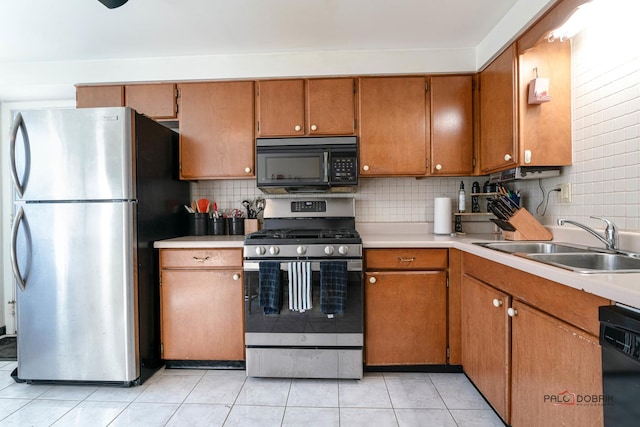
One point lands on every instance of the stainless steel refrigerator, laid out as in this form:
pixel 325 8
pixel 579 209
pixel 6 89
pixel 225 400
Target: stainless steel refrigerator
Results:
pixel 94 188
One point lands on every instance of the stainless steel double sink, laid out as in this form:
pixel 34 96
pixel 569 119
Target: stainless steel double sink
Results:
pixel 580 259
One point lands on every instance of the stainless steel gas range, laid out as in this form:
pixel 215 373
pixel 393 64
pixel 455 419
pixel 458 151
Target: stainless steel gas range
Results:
pixel 304 291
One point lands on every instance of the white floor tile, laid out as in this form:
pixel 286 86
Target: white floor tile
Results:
pixel 255 416
pixel 476 418
pixel 264 391
pixel 367 417
pixel 217 390
pixel 145 415
pixel 458 392
pixel 38 413
pixel 311 417
pixel 369 392
pixel 169 389
pixel 199 415
pixel 313 393
pixel 91 414
pixel 414 394
pixel 182 397
pixel 424 418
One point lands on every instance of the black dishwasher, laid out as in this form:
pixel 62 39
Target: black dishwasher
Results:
pixel 620 341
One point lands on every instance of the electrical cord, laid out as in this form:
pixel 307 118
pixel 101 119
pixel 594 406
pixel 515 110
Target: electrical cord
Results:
pixel 545 200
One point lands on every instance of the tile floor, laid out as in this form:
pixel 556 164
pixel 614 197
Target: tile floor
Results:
pixel 193 398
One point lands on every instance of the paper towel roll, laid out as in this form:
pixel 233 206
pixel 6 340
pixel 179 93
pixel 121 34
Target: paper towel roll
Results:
pixel 442 215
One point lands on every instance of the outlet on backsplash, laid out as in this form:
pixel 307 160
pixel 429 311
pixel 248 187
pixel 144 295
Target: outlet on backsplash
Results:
pixel 565 193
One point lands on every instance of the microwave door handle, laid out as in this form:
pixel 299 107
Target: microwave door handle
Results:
pixel 326 167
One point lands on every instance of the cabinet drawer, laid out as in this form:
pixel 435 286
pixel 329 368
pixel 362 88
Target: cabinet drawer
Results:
pixel 406 259
pixel 200 258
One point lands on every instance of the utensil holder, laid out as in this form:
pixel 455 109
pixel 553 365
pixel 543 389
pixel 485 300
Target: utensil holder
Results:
pixel 236 226
pixel 527 228
pixel 198 224
pixel 218 226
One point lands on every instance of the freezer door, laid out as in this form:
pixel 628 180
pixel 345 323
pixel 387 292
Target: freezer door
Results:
pixel 77 315
pixel 83 154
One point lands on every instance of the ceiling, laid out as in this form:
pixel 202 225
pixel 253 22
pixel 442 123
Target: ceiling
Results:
pixel 47 30
pixel 63 33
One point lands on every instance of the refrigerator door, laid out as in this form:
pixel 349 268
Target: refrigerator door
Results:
pixel 77 315
pixel 83 154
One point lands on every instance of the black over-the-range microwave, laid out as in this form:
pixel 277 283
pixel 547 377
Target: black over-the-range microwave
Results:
pixel 307 164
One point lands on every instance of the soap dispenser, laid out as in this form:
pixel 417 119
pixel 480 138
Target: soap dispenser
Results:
pixel 461 198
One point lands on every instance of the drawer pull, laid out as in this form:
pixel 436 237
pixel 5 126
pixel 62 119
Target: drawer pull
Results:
pixel 404 259
pixel 200 259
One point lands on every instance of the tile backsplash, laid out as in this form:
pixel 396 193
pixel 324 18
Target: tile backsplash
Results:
pixel 605 175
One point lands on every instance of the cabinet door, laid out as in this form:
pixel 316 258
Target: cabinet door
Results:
pixel 331 106
pixel 393 126
pixel 554 367
pixel 99 96
pixel 452 125
pixel 280 107
pixel 216 130
pixel 405 318
pixel 486 342
pixel 154 100
pixel 498 114
pixel 202 315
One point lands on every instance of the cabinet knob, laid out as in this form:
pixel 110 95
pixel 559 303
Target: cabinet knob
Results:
pixel 297 128
pixel 507 157
pixel 372 280
pixel 236 276
pixel 314 127
pixel 247 170
pixel 497 302
pixel 512 312
pixel 438 167
pixel 365 167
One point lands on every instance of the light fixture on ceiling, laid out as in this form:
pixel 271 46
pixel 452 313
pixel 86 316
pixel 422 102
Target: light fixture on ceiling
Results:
pixel 112 4
pixel 576 22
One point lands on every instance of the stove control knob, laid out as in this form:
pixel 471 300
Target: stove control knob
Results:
pixel 260 250
pixel 328 250
pixel 274 250
pixel 343 250
pixel 301 250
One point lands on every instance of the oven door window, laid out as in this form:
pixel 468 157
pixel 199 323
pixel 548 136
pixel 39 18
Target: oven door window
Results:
pixel 310 321
pixel 279 168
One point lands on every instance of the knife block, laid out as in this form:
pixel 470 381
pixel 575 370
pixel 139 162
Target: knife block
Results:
pixel 527 228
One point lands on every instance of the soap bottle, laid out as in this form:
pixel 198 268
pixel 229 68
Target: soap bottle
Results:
pixel 461 198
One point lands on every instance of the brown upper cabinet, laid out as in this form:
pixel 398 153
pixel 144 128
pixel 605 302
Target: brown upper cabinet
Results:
pixel 157 101
pixel 154 100
pixel 99 96
pixel 513 131
pixel 452 125
pixel 299 107
pixel 393 124
pixel 216 130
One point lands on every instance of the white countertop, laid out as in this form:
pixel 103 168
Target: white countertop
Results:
pixel 205 242
pixel 621 287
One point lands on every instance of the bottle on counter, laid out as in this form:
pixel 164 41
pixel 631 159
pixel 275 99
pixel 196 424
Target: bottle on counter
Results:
pixel 461 198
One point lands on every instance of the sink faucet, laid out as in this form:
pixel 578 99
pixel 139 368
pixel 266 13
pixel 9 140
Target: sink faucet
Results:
pixel 610 238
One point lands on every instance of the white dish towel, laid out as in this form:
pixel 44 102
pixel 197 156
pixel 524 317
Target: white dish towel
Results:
pixel 299 286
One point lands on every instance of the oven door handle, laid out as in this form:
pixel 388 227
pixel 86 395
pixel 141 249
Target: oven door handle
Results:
pixel 352 265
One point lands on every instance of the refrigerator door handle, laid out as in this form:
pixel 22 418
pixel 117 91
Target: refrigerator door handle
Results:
pixel 18 123
pixel 14 257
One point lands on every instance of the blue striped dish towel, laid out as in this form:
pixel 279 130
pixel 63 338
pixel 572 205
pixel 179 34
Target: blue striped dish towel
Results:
pixel 333 287
pixel 269 293
pixel 299 274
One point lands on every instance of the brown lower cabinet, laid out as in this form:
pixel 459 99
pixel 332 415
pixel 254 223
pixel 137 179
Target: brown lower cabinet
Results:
pixel 202 304
pixel 530 345
pixel 405 307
